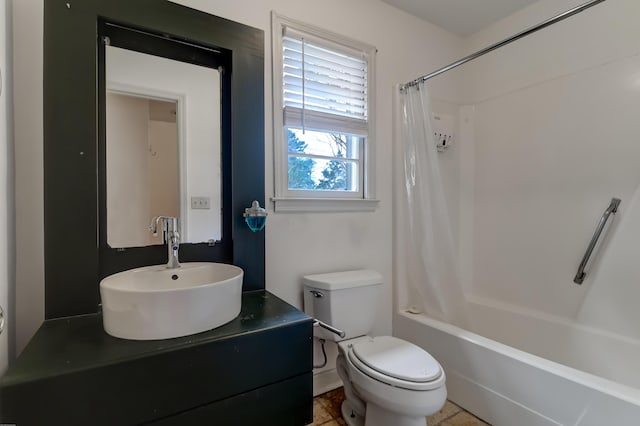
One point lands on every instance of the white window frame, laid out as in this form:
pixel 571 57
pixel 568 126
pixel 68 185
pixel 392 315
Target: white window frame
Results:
pixel 318 200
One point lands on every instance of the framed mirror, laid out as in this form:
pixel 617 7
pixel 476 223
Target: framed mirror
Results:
pixel 164 145
pixel 75 145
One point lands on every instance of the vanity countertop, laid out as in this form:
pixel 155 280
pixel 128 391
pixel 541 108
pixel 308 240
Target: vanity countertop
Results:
pixel 74 344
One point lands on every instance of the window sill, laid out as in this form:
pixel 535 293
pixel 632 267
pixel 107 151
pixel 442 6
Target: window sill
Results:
pixel 324 205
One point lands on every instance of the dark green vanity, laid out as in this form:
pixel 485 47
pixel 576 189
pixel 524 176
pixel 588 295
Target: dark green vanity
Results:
pixel 256 369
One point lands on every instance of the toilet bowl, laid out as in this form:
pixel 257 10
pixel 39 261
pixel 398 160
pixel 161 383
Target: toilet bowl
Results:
pixel 389 381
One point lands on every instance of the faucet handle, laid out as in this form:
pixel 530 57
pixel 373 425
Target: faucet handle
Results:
pixel 153 226
pixel 168 224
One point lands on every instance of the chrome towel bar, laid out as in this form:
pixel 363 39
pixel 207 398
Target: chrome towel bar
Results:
pixel 613 208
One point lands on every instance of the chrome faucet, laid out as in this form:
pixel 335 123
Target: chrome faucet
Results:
pixel 170 235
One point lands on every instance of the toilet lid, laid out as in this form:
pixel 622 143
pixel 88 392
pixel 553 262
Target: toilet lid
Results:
pixel 397 358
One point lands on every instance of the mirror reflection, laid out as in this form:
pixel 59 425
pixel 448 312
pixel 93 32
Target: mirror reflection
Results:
pixel 163 148
pixel 144 180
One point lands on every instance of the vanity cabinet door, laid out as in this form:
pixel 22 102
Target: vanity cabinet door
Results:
pixel 287 403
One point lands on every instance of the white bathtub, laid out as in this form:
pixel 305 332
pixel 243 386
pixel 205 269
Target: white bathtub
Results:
pixel 513 387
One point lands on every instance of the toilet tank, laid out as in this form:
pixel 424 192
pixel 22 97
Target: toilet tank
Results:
pixel 345 300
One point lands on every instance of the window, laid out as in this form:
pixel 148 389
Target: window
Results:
pixel 323 132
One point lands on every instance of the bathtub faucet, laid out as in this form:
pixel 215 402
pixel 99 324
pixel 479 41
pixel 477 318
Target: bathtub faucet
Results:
pixel 170 235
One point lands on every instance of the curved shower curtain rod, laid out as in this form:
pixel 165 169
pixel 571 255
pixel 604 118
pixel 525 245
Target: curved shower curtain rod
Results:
pixel 504 42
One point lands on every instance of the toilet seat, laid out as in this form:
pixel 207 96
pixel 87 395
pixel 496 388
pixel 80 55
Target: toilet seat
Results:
pixel 396 362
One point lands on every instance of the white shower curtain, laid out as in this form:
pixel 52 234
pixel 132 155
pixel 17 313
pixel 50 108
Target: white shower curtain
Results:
pixel 430 259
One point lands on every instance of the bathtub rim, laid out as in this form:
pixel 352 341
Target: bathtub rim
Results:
pixel 623 392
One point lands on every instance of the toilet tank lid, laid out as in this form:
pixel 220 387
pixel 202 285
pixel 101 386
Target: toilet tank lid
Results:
pixel 343 280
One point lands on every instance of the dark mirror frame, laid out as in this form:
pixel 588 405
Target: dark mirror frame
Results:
pixel 75 260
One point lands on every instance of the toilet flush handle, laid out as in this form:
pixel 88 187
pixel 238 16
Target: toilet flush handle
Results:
pixel 318 323
pixel 316 293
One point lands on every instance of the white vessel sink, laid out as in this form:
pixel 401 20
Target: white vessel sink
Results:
pixel 159 303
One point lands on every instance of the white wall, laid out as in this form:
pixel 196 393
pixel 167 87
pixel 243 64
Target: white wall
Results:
pixel 556 137
pixel 296 244
pixel 7 214
pixel 29 173
pixel 299 244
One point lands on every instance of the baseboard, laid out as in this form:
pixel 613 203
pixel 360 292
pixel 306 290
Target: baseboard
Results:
pixel 326 381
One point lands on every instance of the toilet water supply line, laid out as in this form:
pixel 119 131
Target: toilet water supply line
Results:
pixel 318 323
pixel 324 355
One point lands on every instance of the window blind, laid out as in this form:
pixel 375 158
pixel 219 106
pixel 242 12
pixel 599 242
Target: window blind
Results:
pixel 323 84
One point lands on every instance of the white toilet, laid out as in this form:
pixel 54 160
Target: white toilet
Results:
pixel 387 381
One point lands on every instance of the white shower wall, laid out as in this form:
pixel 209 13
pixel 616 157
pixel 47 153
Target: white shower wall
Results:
pixel 554 136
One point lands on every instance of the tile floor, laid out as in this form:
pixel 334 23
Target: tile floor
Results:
pixel 326 412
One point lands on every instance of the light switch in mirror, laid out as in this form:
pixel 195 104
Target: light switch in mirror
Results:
pixel 162 146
